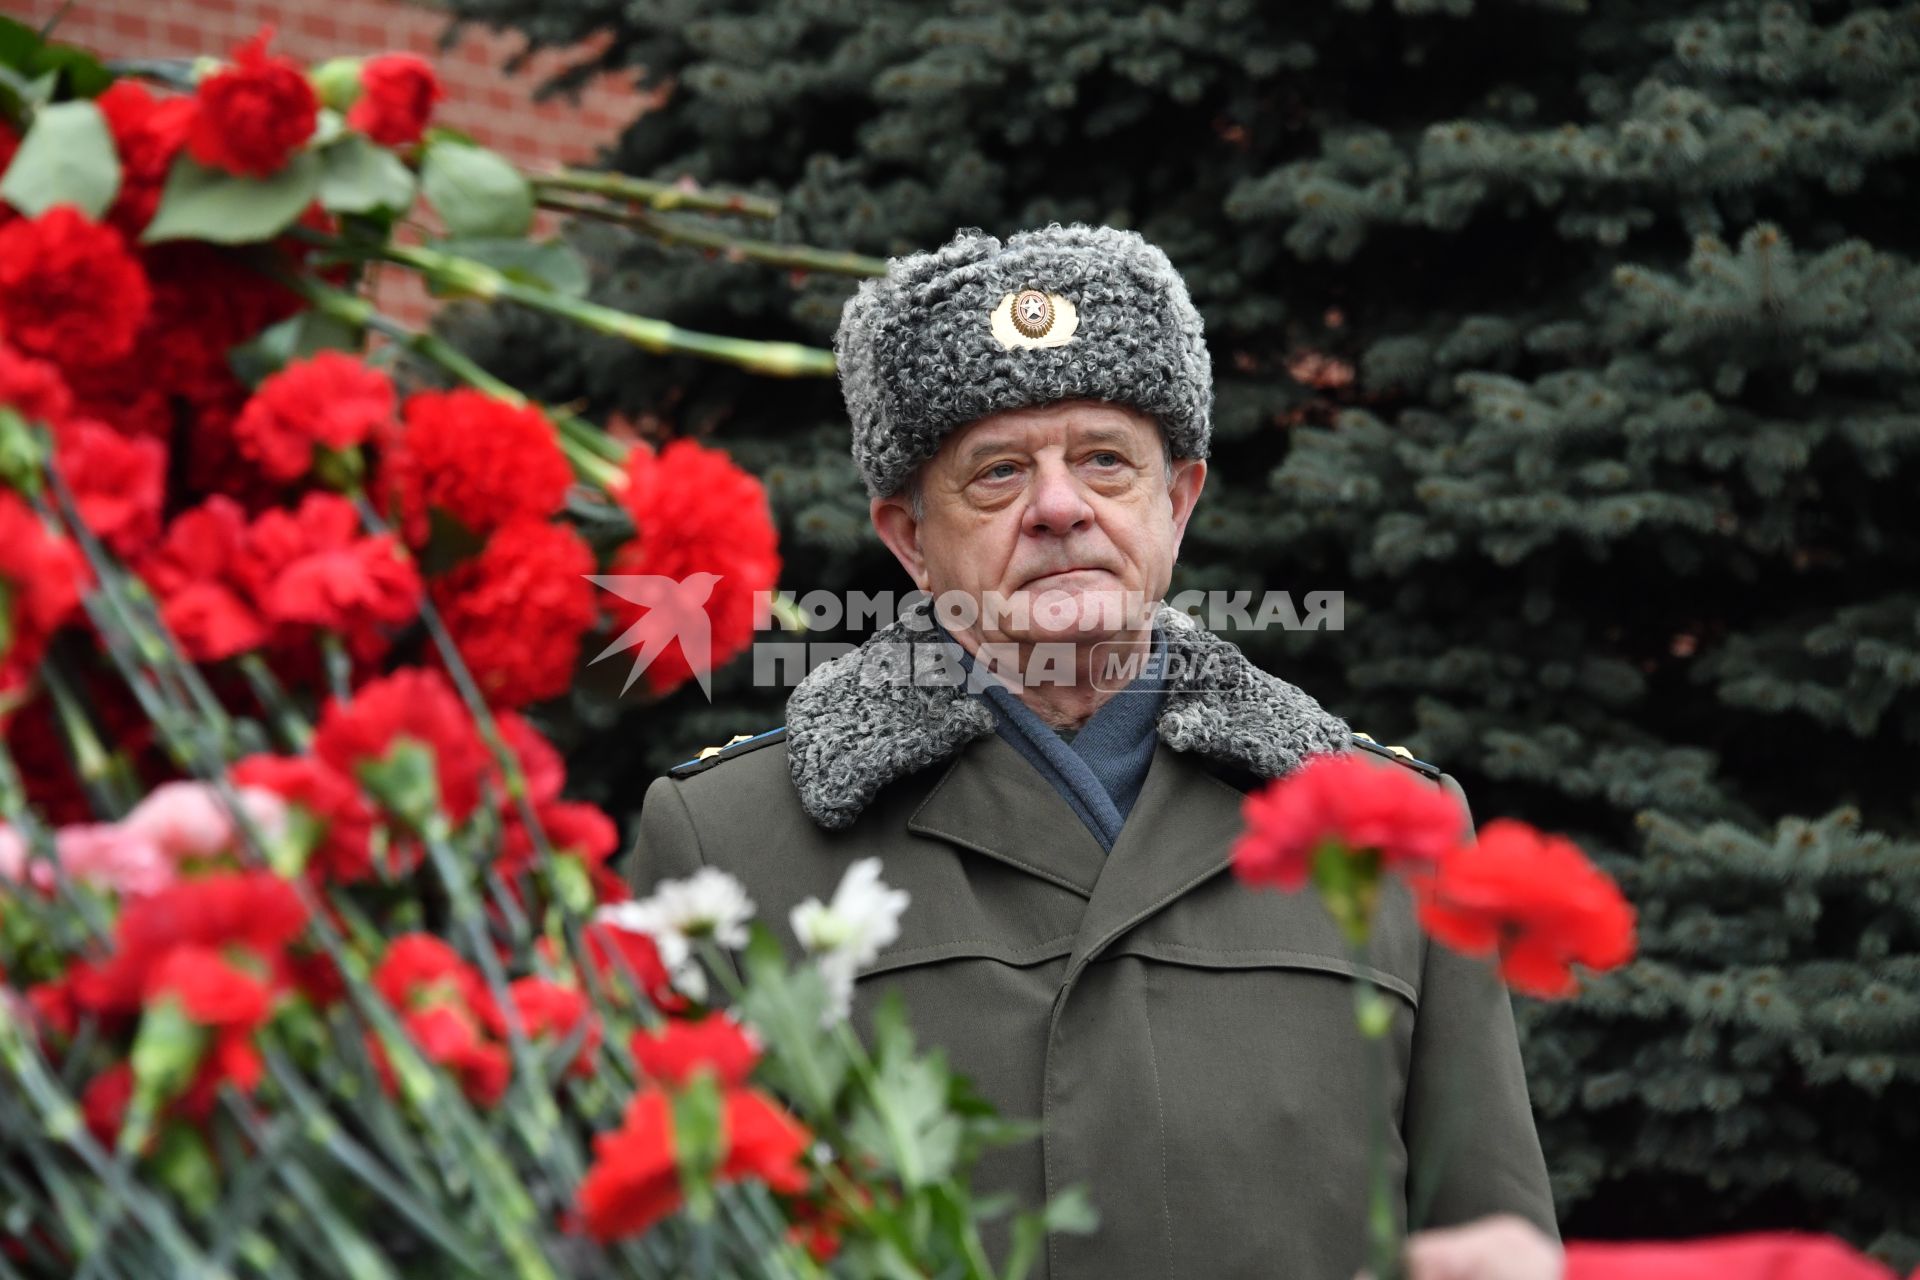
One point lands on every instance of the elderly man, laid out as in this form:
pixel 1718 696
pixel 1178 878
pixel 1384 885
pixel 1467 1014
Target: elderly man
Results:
pixel 1031 419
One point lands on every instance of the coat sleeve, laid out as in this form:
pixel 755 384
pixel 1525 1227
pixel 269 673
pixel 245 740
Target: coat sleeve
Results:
pixel 668 846
pixel 1472 1149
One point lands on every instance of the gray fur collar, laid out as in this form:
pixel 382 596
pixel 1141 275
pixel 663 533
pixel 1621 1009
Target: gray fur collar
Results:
pixel 857 723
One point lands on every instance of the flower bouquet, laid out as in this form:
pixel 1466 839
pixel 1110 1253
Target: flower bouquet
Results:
pixel 308 965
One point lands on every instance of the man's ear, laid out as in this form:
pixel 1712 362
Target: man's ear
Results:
pixel 1189 477
pixel 893 521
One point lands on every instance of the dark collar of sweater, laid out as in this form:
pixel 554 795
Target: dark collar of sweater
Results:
pixel 858 722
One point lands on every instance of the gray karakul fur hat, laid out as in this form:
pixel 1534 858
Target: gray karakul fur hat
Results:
pixel 977 326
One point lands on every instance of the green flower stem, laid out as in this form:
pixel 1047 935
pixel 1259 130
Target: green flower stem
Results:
pixel 137 642
pixel 324 1127
pixel 503 755
pixel 797 257
pixel 595 457
pixel 61 1119
pixel 655 195
pixel 102 773
pixel 195 727
pixel 463 275
pixel 294 730
pixel 142 648
pixel 86 907
pixel 1373 1014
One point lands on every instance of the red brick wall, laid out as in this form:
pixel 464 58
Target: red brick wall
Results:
pixel 497 109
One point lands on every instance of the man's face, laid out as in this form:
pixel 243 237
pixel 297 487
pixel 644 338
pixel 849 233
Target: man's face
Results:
pixel 1060 511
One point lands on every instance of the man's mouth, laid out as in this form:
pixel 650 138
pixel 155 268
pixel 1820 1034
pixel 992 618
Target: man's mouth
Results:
pixel 1062 573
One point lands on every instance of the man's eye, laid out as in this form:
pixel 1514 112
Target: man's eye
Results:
pixel 1001 471
pixel 1106 458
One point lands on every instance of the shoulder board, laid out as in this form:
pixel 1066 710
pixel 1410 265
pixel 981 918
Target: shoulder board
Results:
pixel 1399 755
pixel 739 744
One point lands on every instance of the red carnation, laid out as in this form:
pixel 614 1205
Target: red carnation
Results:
pixel 33 388
pixel 147 133
pixel 540 762
pixel 53 1007
pixel 697 512
pixel 475 458
pixel 69 290
pixel 419 969
pixel 40 577
pixel 764 1141
pixel 633 957
pixel 518 609
pixel 549 1010
pixel 332 400
pixel 447 1010
pixel 571 827
pixel 118 482
pixel 397 93
pixel 254 114
pixel 1535 899
pixel 310 567
pixel 411 705
pixel 247 911
pixel 635 1178
pixel 343 851
pixel 685 1046
pixel 104 1103
pixel 195 573
pixel 211 988
pixel 1351 802
pixel 230 1059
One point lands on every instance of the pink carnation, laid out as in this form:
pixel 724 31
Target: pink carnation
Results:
pixel 188 820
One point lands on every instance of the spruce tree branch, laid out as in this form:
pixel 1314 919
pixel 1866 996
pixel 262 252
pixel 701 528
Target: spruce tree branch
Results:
pixel 655 195
pixel 799 257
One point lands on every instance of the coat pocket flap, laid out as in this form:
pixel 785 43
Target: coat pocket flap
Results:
pixel 1215 957
pixel 969 949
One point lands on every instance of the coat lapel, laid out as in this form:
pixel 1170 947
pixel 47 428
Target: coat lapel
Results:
pixel 991 801
pixel 1179 835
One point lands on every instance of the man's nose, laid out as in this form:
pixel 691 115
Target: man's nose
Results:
pixel 1056 503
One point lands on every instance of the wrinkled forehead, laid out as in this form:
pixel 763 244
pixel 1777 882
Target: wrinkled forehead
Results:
pixel 1063 423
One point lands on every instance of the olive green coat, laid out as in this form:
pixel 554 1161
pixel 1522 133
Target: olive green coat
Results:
pixel 1187 1043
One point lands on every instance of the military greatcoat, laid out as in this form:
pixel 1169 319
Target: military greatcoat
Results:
pixel 1186 1043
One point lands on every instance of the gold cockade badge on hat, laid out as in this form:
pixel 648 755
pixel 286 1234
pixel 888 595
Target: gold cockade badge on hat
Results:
pixel 1034 319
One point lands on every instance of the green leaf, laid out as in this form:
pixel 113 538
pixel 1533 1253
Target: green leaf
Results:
pixel 548 264
pixel 21 458
pixel 66 158
pixel 185 1165
pixel 38 66
pixel 166 1049
pixel 403 781
pixel 199 203
pixel 357 176
pixel 475 191
pixel 295 338
pixel 788 1008
pixel 1069 1213
pixel 905 1123
pixel 699 1141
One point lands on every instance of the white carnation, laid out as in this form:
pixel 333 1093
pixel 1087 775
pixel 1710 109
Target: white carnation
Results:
pixel 708 903
pixel 849 932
